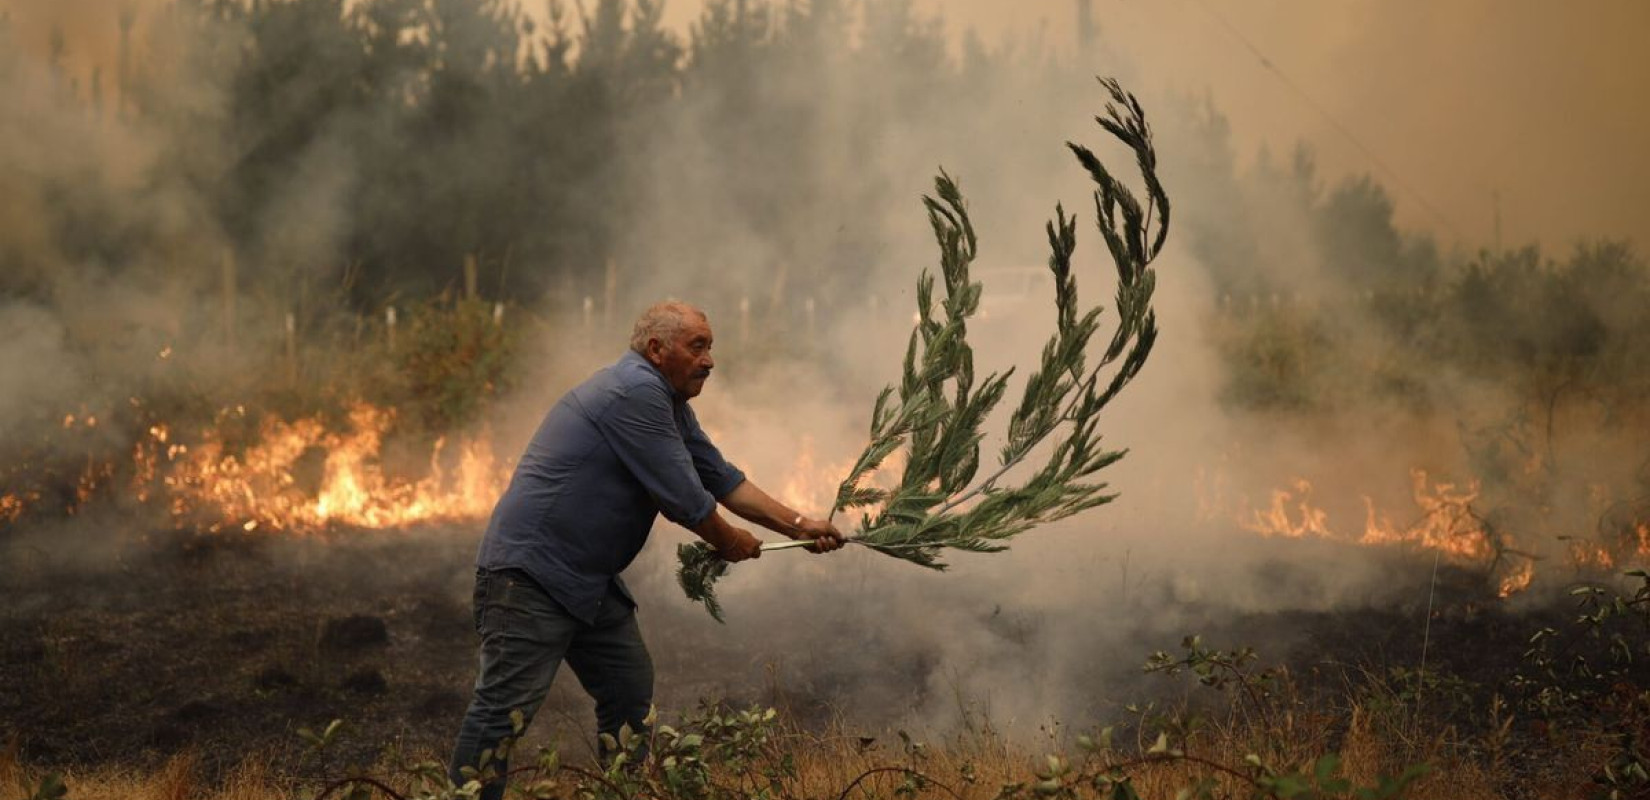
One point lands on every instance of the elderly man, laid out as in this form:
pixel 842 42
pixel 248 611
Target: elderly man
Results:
pixel 611 455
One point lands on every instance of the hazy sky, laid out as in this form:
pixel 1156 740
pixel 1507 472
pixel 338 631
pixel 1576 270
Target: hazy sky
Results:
pixel 1448 102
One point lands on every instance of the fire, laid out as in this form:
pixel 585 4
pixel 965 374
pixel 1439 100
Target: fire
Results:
pixel 1518 579
pixel 1291 515
pixel 12 506
pixel 1588 554
pixel 1447 522
pixel 807 485
pixel 262 486
pixel 812 486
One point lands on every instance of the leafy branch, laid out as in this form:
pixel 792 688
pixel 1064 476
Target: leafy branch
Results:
pixel 937 411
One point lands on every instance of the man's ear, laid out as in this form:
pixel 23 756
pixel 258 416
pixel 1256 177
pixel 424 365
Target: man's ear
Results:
pixel 654 351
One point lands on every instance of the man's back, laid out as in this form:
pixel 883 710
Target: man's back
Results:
pixel 610 455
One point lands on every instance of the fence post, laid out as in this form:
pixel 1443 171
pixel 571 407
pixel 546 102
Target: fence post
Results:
pixel 292 348
pixel 229 293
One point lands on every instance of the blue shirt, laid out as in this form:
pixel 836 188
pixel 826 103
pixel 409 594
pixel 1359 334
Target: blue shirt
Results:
pixel 614 453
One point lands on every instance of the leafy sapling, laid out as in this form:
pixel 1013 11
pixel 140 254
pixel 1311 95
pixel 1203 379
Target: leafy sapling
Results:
pixel 937 411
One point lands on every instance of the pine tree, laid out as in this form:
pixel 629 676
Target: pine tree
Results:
pixel 937 411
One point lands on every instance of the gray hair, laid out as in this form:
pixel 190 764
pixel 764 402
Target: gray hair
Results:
pixel 663 321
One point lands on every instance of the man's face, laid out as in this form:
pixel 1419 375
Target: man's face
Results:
pixel 686 362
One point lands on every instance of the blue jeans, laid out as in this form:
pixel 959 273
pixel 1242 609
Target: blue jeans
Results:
pixel 525 635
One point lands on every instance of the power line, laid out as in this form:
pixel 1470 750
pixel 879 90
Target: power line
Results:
pixel 1306 97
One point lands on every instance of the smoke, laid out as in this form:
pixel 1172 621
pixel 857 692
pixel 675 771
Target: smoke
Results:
pixel 782 195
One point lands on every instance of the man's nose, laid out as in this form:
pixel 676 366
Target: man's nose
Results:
pixel 706 362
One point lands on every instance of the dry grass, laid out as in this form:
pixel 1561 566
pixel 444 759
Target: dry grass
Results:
pixel 975 766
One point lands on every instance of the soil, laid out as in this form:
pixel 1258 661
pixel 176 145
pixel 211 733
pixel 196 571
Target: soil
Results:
pixel 228 645
pixel 127 650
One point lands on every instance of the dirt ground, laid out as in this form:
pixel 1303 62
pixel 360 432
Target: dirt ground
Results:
pixel 125 650
pixel 230 645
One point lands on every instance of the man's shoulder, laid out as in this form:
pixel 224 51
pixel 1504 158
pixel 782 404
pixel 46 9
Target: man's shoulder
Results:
pixel 631 374
pixel 628 380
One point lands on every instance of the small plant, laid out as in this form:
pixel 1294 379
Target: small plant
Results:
pixel 1592 674
pixel 455 358
pixel 51 787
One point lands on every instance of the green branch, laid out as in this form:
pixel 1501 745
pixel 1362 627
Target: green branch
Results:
pixel 937 411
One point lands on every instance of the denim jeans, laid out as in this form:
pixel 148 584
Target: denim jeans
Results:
pixel 525 635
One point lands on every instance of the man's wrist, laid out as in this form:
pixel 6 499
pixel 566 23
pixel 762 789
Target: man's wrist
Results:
pixel 796 527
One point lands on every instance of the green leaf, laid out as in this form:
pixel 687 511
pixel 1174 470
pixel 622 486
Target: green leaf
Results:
pixel 1326 767
pixel 51 787
pixel 1161 745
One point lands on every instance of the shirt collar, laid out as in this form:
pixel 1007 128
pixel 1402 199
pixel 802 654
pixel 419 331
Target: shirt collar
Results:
pixel 638 358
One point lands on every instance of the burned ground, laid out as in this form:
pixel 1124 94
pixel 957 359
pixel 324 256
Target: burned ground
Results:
pixel 229 645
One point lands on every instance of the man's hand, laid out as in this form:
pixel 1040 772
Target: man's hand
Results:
pixel 825 536
pixel 742 545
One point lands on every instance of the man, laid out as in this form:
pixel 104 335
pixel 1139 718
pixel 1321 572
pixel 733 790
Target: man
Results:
pixel 611 455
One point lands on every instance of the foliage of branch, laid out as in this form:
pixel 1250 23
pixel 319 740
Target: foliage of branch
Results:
pixel 937 411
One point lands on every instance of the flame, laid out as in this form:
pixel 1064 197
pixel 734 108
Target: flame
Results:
pixel 1589 554
pixel 261 486
pixel 809 484
pixel 1518 579
pixel 12 506
pixel 1447 522
pixel 1444 522
pixel 1291 515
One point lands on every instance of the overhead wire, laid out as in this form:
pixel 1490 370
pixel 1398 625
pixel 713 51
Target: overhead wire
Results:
pixel 1346 132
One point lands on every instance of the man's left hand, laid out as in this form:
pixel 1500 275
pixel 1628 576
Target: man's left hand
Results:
pixel 824 535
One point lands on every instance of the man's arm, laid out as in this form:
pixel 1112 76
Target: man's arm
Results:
pixel 750 502
pixel 731 543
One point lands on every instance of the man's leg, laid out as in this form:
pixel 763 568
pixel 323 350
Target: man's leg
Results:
pixel 613 665
pixel 524 636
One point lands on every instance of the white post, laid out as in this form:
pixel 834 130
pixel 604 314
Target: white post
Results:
pixel 389 325
pixel 292 347
pixel 229 292
pixel 610 291
pixel 744 321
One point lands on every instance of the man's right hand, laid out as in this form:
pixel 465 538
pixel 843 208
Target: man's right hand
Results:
pixel 741 546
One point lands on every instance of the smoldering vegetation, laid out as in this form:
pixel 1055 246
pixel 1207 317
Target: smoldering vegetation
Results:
pixel 283 210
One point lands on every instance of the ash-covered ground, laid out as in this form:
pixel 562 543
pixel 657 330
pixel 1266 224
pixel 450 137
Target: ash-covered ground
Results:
pixel 127 649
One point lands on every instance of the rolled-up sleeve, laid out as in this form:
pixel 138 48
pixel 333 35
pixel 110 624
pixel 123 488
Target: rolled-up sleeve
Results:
pixel 715 473
pixel 641 428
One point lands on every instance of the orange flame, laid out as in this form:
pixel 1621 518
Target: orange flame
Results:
pixel 811 487
pixel 1518 579
pixel 261 487
pixel 12 506
pixel 1291 515
pixel 1447 522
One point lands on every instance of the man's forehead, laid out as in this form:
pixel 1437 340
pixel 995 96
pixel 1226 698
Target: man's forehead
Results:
pixel 695 326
